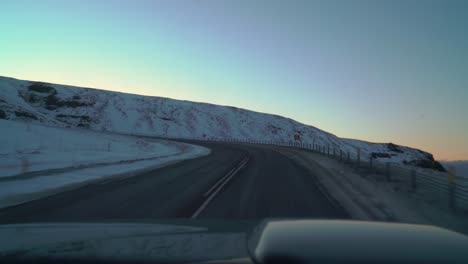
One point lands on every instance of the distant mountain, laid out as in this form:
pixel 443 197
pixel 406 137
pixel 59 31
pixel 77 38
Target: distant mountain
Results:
pixel 69 106
pixel 460 166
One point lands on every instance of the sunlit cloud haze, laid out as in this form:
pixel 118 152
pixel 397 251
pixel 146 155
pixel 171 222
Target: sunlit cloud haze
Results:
pixel 385 71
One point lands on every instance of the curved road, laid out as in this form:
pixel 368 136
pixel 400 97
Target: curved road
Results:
pixel 233 182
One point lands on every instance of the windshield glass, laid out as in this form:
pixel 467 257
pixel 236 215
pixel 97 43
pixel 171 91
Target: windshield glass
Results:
pixel 212 112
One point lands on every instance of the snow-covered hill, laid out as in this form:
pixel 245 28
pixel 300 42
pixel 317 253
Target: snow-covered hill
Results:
pixel 69 106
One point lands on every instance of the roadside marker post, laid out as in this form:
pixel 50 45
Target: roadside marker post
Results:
pixel 413 180
pixel 358 157
pixel 387 170
pixel 452 187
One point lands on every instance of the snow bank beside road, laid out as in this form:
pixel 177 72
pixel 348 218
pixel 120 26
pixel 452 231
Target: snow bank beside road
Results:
pixel 26 148
pixel 18 191
pixel 37 161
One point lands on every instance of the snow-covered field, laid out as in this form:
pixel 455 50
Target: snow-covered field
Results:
pixel 38 160
pixel 100 110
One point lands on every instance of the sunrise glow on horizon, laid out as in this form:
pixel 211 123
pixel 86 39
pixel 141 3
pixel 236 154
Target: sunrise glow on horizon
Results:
pixel 391 71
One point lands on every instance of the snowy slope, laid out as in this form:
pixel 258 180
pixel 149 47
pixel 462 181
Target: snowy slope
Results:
pixel 69 106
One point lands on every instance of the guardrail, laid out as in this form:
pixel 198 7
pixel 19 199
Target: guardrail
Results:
pixel 441 185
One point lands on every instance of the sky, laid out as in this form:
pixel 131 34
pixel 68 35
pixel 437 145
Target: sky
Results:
pixel 381 71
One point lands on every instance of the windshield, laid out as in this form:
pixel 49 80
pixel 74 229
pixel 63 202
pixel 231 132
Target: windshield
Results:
pixel 233 112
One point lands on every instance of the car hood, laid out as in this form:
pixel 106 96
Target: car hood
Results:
pixel 162 241
pixel 269 241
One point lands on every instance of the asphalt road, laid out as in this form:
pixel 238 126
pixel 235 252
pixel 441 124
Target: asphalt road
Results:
pixel 233 182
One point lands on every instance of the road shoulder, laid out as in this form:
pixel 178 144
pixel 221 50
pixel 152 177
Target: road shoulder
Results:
pixel 16 191
pixel 367 199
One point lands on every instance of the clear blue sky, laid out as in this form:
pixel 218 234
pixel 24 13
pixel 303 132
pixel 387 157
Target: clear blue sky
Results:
pixel 374 70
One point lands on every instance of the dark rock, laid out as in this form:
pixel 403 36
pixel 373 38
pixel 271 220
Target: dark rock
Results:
pixel 274 129
pixel 51 107
pixel 53 102
pixel 82 117
pixel 42 88
pixel 375 155
pixel 25 114
pixel 428 164
pixel 394 148
pixel 33 98
pixel 429 156
pixel 74 104
pixel 3 114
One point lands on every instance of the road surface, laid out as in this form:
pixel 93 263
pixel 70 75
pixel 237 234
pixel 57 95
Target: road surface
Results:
pixel 233 182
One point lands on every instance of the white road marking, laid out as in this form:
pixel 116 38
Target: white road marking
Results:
pixel 219 182
pixel 220 185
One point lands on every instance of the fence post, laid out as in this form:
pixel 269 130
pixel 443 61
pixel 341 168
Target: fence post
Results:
pixel 452 195
pixel 348 157
pixel 24 166
pixel 358 161
pixel 387 170
pixel 413 180
pixel 341 155
pixel 371 161
pixel 328 149
pixel 451 185
pixel 334 153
